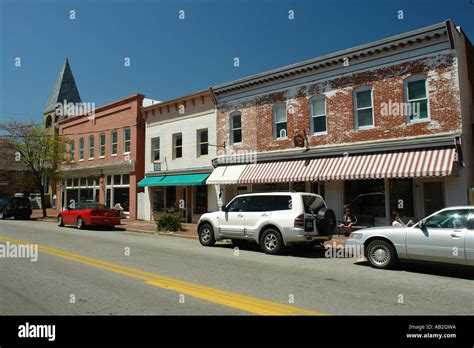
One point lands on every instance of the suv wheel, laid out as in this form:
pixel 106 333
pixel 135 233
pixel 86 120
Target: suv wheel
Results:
pixel 271 241
pixel 60 221
pixel 381 254
pixel 80 223
pixel 206 235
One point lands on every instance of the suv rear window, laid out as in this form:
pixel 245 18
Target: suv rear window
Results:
pixel 312 204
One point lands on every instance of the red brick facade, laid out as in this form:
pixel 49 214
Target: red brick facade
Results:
pixel 118 115
pixel 387 84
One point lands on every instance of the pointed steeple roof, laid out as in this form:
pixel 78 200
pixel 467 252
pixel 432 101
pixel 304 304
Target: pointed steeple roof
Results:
pixel 64 89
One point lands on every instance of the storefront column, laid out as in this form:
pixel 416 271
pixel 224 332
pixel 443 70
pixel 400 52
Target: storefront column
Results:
pixel 334 191
pixel 387 200
pixel 219 196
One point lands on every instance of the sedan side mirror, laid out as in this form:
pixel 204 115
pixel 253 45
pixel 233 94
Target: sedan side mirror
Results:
pixel 421 224
pixel 225 208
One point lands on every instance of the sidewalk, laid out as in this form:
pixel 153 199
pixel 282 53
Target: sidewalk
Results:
pixel 150 227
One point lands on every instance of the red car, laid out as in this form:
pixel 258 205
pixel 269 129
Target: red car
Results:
pixel 89 214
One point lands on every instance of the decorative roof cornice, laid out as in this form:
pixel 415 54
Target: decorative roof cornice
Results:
pixel 337 58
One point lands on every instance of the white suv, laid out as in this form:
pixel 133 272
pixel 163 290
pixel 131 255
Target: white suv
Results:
pixel 273 220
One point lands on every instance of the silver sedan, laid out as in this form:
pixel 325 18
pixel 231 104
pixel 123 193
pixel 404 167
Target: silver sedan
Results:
pixel 446 236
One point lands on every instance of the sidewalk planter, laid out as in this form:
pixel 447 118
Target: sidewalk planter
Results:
pixel 169 222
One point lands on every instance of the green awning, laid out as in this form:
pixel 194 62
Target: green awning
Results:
pixel 175 180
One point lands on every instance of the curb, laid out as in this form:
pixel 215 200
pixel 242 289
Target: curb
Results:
pixel 136 230
pixel 171 234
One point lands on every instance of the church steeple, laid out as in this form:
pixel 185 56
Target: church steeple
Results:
pixel 64 89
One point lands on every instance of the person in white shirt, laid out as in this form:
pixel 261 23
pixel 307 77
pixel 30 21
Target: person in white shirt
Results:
pixel 397 221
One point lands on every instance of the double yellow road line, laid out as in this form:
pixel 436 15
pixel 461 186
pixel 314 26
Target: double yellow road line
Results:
pixel 226 298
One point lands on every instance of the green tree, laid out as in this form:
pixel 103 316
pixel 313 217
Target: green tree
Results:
pixel 40 152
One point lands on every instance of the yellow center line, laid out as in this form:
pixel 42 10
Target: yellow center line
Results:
pixel 222 297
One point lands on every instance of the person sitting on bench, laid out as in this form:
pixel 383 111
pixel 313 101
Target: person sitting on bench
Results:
pixel 348 220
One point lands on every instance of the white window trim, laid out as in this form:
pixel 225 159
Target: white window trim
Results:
pixel 232 129
pixel 91 148
pixel 405 90
pixel 102 145
pixel 112 143
pixel 175 135
pixel 356 111
pixel 312 116
pixel 274 123
pixel 81 150
pixel 199 143
pixel 72 153
pixel 125 141
pixel 153 150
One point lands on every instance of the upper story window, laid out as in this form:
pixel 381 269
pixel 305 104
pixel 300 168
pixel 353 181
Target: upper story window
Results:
pixel 416 96
pixel 49 122
pixel 81 149
pixel 127 141
pixel 318 114
pixel 364 111
pixel 177 145
pixel 235 128
pixel 91 146
pixel 155 149
pixel 102 145
pixel 72 150
pixel 203 142
pixel 279 121
pixel 114 142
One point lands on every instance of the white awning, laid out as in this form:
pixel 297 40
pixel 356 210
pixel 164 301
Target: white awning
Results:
pixel 225 175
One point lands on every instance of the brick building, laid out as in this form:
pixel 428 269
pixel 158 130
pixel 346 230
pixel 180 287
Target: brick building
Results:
pixel 15 177
pixel 380 127
pixel 179 148
pixel 108 151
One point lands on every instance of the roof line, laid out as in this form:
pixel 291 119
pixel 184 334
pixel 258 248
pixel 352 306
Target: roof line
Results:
pixel 333 55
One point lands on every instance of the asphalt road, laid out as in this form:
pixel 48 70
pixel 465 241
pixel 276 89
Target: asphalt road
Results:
pixel 119 272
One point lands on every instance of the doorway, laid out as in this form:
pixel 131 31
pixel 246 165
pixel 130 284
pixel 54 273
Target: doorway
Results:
pixel 433 196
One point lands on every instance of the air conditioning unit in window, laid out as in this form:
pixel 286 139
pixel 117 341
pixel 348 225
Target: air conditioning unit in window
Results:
pixel 157 166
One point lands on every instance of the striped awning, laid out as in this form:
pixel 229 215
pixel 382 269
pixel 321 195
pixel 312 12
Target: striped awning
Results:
pixel 285 171
pixel 406 164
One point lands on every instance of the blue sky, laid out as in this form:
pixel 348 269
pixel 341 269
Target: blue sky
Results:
pixel 171 57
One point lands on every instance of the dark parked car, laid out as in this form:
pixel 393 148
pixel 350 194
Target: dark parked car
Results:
pixel 17 207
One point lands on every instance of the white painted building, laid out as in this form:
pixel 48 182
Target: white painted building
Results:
pixel 180 143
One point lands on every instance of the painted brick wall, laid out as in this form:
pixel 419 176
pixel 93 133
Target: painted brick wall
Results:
pixel 387 83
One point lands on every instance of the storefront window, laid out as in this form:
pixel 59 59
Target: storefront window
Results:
pixel 83 181
pixel 401 198
pixel 366 199
pixel 299 187
pixel 158 199
pixel 116 179
pixel 87 195
pixel 122 197
pixel 318 188
pixel 109 180
pixel 75 182
pixel 125 179
pixel 200 199
pixel 171 198
pixel 433 193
